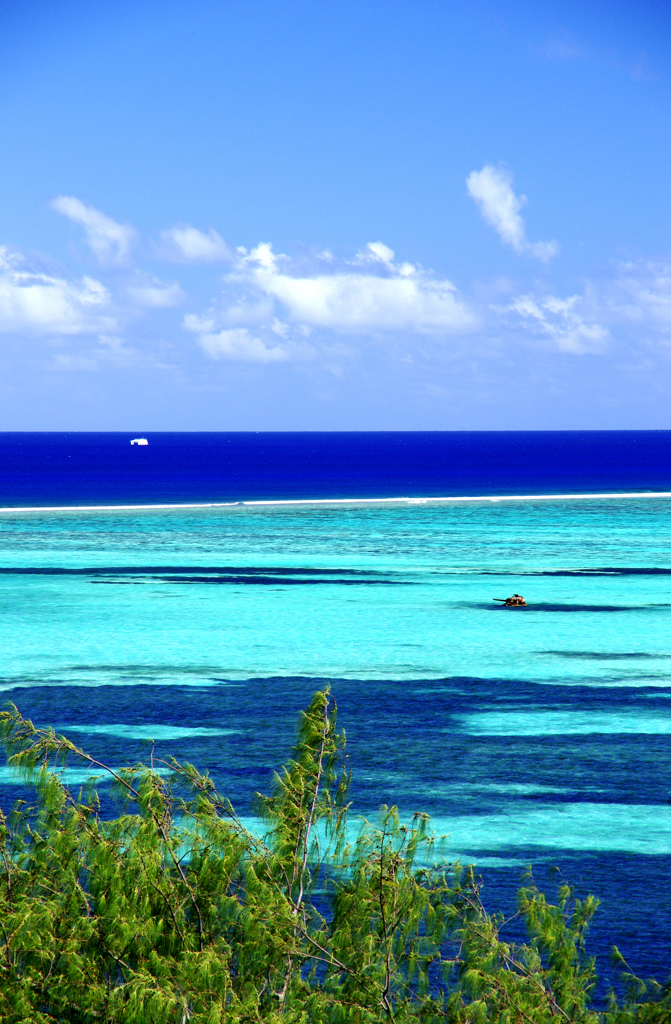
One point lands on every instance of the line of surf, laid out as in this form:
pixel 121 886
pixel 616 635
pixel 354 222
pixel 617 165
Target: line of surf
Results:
pixel 452 499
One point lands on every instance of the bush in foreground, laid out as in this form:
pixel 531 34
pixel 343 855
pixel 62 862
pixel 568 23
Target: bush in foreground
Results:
pixel 176 912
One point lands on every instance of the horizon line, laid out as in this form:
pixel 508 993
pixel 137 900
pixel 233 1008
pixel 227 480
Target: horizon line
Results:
pixel 374 430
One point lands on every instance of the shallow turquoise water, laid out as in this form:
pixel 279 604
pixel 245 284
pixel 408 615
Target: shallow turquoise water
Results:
pixel 541 733
pixel 421 607
pixel 360 593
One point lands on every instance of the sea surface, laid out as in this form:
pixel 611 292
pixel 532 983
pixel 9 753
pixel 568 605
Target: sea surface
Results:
pixel 539 735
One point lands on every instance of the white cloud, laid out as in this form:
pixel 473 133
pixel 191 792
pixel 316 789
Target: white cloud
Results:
pixel 75 362
pixel 377 251
pixel 393 299
pixel 491 188
pixel 236 343
pixel 642 294
pixel 184 244
pixel 269 308
pixel 561 321
pixel 276 309
pixel 156 294
pixel 631 307
pixel 277 327
pixel 36 303
pixel 109 240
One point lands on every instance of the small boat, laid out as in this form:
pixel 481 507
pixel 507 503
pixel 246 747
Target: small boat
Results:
pixel 516 601
pixel 139 440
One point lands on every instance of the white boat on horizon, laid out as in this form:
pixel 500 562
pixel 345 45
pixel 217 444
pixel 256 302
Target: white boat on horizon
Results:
pixel 139 440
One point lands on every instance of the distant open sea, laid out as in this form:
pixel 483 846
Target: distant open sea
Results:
pixel 538 735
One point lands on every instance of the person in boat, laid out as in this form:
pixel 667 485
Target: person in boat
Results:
pixel 516 601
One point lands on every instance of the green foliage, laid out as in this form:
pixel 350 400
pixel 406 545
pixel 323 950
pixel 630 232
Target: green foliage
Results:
pixel 175 912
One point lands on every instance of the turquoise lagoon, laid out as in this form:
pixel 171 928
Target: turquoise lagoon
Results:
pixel 531 735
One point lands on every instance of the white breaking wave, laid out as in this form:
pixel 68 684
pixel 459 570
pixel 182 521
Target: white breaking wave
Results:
pixel 343 501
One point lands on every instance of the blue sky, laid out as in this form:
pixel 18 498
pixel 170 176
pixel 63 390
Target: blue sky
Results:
pixel 265 215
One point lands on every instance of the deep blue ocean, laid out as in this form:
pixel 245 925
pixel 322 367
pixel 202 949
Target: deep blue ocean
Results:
pixel 539 735
pixel 102 469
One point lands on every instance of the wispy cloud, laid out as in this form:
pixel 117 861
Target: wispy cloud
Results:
pixel 491 188
pixel 630 306
pixel 185 244
pixel 562 322
pixel 237 343
pixel 36 303
pixel 109 240
pixel 641 295
pixel 146 290
pixel 107 351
